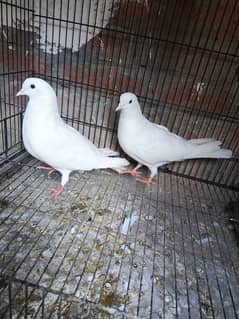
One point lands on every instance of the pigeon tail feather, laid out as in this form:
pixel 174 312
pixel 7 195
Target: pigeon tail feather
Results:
pixel 210 150
pixel 114 162
pixel 108 152
pixel 203 140
pixel 222 153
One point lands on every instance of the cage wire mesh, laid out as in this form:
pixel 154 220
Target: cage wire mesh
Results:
pixel 109 247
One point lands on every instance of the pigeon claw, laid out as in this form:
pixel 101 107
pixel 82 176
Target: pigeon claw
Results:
pixel 49 169
pixel 148 181
pixel 56 192
pixel 131 171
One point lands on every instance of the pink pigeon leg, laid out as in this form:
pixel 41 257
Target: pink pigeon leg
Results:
pixel 64 180
pixel 108 152
pixel 148 180
pixel 56 192
pixel 48 168
pixel 132 171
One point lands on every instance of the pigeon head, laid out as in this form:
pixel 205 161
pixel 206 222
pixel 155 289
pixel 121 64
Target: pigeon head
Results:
pixel 36 88
pixel 127 101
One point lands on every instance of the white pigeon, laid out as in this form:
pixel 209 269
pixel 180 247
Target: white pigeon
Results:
pixel 153 145
pixel 48 138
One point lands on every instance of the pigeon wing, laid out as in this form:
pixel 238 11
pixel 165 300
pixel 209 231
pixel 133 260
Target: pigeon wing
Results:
pixel 154 144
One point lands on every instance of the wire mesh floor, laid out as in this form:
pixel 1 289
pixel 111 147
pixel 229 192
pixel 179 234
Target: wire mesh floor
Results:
pixel 109 247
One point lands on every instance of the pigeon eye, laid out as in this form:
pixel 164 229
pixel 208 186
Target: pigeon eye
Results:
pixel 130 101
pixel 32 86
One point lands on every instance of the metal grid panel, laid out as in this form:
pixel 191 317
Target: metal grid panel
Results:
pixel 180 58
pixel 14 66
pixel 75 257
pixel 73 254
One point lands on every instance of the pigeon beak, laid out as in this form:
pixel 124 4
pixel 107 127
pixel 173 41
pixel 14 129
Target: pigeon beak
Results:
pixel 21 92
pixel 119 107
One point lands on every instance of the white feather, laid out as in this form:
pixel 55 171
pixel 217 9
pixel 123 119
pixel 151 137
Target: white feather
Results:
pixel 48 138
pixel 153 145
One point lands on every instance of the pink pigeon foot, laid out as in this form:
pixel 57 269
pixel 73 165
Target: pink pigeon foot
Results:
pixel 104 152
pixel 49 169
pixel 148 181
pixel 56 192
pixel 131 171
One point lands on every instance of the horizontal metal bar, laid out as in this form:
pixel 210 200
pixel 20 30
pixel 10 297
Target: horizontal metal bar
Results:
pixel 201 180
pixel 16 6
pixel 155 102
pixel 10 116
pixel 138 35
pixel 15 72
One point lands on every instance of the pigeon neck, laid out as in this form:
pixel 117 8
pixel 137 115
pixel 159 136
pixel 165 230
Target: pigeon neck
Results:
pixel 44 105
pixel 134 112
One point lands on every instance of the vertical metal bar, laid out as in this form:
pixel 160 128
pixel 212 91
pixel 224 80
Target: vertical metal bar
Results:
pixel 40 253
pixel 71 65
pixel 43 307
pixel 155 252
pixel 157 46
pixel 2 79
pixel 130 40
pixel 93 68
pixel 5 137
pixel 164 250
pixel 38 45
pixel 108 187
pixel 126 37
pixel 59 307
pixel 32 43
pixel 226 197
pixel 223 59
pixel 26 301
pixel 18 126
pixel 21 123
pixel 184 253
pixel 4 57
pixel 13 133
pixel 86 66
pixel 10 299
pixel 108 64
pixel 212 174
pixel 46 22
pixel 78 114
pixel 174 13
pixel 144 257
pixel 111 67
pixel 193 233
pixel 174 247
pixel 129 275
pixel 59 72
pixel 196 73
pixel 223 261
pixel 51 58
pixel 66 11
pixel 211 249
